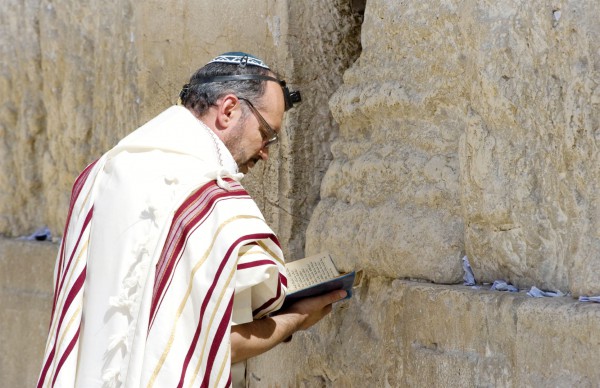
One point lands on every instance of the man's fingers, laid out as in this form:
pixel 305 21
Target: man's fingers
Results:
pixel 316 304
pixel 333 296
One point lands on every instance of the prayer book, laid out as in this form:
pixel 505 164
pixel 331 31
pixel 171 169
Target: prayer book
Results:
pixel 317 275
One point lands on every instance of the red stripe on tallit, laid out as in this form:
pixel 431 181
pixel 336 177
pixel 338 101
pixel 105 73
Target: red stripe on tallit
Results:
pixel 214 348
pixel 77 287
pixel 86 222
pixel 208 296
pixel 66 355
pixel 268 303
pixel 190 214
pixel 256 263
pixel 75 191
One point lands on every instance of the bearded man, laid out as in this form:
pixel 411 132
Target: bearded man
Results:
pixel 167 272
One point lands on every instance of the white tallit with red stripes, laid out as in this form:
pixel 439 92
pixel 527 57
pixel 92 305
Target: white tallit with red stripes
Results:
pixel 159 239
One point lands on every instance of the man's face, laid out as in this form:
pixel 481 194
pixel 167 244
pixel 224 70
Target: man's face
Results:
pixel 246 141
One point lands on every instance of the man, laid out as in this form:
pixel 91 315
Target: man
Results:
pixel 167 272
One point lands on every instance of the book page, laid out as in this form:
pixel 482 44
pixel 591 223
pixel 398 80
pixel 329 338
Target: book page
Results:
pixel 310 270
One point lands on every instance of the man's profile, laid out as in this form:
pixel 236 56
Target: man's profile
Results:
pixel 167 271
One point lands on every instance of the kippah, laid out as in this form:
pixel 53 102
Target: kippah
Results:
pixel 239 58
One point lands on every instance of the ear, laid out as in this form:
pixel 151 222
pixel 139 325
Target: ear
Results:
pixel 228 112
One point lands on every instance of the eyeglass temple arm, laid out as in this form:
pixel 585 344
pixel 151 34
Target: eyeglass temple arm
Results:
pixel 291 97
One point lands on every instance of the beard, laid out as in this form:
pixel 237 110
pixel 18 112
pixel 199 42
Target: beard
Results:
pixel 244 158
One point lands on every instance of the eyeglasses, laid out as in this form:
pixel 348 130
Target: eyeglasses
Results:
pixel 267 132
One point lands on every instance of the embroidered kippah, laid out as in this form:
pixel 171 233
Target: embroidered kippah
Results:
pixel 240 58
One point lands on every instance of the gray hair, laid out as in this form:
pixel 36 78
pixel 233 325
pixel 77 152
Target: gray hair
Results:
pixel 199 97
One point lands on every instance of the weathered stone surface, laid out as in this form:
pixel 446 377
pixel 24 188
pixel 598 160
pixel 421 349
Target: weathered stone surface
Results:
pixel 407 334
pixel 469 129
pixel 73 69
pixel 26 270
pixel 77 74
pixel 391 198
pixel 22 114
pixel 529 153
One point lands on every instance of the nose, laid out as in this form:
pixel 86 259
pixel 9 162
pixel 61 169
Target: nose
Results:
pixel 264 153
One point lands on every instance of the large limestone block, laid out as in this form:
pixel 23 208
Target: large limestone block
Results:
pixel 405 334
pixel 69 83
pixel 26 292
pixel 529 154
pixel 22 113
pixel 469 127
pixel 391 198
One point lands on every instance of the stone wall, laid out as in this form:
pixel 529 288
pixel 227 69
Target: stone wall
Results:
pixel 463 128
pixel 391 199
pixel 469 127
pixel 422 335
pixel 529 151
pixel 69 72
pixel 466 128
pixel 398 333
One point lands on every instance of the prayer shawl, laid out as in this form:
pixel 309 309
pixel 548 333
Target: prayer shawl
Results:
pixel 160 236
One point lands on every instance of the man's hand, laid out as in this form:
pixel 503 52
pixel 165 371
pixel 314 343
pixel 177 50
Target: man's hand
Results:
pixel 306 312
pixel 256 337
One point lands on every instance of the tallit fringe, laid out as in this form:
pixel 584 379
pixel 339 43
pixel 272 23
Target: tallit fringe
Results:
pixel 118 340
pixel 111 378
pixel 127 303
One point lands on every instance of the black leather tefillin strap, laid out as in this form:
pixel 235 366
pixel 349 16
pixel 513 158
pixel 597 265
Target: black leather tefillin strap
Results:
pixel 291 97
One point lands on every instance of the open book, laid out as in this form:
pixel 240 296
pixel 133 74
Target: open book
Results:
pixel 317 275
